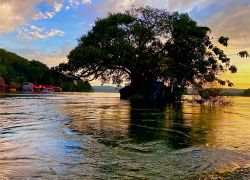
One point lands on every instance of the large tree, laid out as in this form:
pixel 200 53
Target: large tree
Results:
pixel 148 45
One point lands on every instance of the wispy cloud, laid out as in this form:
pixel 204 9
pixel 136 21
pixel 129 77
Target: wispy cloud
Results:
pixel 57 7
pixel 34 32
pixel 76 3
pixel 86 1
pixel 35 28
pixel 44 15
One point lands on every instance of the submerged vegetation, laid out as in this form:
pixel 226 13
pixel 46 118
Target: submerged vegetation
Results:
pixel 210 97
pixel 159 53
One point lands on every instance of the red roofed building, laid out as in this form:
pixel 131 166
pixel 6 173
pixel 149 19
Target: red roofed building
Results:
pixel 47 89
pixel 58 89
pixel 40 88
pixel 35 88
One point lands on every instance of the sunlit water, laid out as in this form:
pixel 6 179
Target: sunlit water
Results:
pixel 99 136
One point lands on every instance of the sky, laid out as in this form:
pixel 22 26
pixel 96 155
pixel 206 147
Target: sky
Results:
pixel 46 30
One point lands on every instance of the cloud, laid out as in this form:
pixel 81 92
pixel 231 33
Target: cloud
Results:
pixel 171 5
pixel 55 58
pixel 45 15
pixel 34 32
pixel 36 28
pixel 15 13
pixel 57 7
pixel 225 17
pixel 86 1
pixel 76 3
pixel 54 32
pixel 51 58
pixel 182 5
pixel 67 7
pixel 229 18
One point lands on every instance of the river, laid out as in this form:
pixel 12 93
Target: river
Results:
pixel 99 136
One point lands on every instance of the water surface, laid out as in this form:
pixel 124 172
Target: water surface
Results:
pixel 99 136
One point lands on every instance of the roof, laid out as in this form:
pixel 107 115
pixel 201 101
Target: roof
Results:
pixel 41 86
pixel 34 86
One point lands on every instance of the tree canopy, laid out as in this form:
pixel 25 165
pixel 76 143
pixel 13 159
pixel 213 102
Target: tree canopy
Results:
pixel 18 69
pixel 246 93
pixel 14 68
pixel 147 45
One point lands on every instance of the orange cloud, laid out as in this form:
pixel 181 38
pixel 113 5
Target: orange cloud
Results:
pixel 15 13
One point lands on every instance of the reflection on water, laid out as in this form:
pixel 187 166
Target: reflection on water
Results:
pixel 97 135
pixel 165 123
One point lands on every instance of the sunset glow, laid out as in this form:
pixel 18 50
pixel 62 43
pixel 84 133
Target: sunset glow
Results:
pixel 46 30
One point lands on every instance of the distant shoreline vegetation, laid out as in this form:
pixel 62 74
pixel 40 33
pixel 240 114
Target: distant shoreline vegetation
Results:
pixel 246 93
pixel 16 70
pixel 226 92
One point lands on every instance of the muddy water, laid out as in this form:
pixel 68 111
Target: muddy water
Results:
pixel 99 136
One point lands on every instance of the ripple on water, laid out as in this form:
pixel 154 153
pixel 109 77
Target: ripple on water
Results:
pixel 77 136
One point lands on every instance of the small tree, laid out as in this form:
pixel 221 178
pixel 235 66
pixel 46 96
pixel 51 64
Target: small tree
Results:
pixel 148 45
pixel 82 86
pixel 246 93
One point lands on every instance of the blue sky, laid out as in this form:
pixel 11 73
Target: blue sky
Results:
pixel 46 30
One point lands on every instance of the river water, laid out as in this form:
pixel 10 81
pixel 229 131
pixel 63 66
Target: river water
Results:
pixel 99 136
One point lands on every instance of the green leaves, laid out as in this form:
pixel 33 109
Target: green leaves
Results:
pixel 223 40
pixel 17 69
pixel 233 69
pixel 217 51
pixel 145 45
pixel 243 54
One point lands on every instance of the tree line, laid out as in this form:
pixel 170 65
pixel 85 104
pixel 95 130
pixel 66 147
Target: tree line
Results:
pixel 14 68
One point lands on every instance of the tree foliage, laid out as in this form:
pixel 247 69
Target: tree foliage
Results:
pixel 147 45
pixel 246 93
pixel 223 40
pixel 17 69
pixel 243 54
pixel 14 68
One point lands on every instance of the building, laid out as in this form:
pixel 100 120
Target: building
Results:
pixel 12 87
pixel 57 89
pixel 40 88
pixel 28 87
